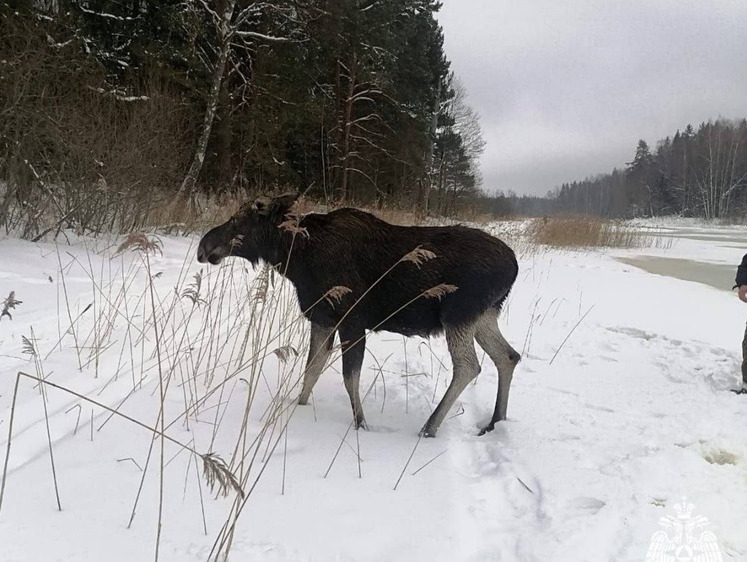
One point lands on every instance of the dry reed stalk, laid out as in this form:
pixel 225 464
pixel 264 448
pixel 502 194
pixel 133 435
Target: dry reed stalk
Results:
pixel 140 241
pixel 283 414
pixel 154 431
pixel 407 377
pixel 350 425
pixel 7 446
pixel 202 501
pixel 67 306
pixel 380 370
pixel 335 295
pixel 429 462
pixel 439 291
pixel 292 225
pixel 532 320
pixel 418 256
pixel 357 452
pixel 570 333
pixel 77 421
pixel 218 475
pixel 9 304
pixel 145 247
pixel 404 468
pixel 223 542
pixel 30 348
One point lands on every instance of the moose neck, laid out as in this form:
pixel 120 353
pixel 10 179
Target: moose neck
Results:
pixel 277 249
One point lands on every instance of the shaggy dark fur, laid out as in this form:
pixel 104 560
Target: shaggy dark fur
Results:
pixel 351 248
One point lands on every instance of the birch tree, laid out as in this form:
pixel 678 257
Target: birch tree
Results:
pixel 723 173
pixel 233 22
pixel 459 146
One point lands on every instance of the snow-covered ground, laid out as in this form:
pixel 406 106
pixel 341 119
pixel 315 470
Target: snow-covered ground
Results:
pixel 619 409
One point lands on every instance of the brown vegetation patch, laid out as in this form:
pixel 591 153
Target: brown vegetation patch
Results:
pixel 583 231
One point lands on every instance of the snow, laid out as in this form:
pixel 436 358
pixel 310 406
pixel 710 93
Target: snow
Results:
pixel 633 414
pixel 106 15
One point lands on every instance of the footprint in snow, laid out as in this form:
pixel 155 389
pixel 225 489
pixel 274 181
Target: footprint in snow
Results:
pixel 585 505
pixel 382 429
pixel 721 457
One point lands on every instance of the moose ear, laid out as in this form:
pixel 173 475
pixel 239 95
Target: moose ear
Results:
pixel 284 202
pixel 262 205
pixel 280 205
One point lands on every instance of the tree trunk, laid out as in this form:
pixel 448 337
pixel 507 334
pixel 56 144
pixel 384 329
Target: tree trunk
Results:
pixel 346 125
pixel 428 184
pixel 222 139
pixel 190 180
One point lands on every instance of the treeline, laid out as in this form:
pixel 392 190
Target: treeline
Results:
pixel 699 173
pixel 695 173
pixel 107 106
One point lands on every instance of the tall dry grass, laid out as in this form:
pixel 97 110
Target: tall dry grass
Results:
pixel 586 232
pixel 206 340
pixel 217 349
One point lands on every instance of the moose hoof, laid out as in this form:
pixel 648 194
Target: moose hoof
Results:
pixel 487 429
pixel 361 424
pixel 427 432
pixel 303 400
pixel 742 390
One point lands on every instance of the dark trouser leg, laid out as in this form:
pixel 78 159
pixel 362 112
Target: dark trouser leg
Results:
pixel 744 357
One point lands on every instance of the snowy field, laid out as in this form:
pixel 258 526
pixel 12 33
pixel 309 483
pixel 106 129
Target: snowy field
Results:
pixel 619 409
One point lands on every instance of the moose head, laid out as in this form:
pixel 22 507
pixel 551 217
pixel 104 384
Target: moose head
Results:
pixel 250 234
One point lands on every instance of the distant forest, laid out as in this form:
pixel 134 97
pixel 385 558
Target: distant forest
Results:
pixel 114 101
pixel 695 173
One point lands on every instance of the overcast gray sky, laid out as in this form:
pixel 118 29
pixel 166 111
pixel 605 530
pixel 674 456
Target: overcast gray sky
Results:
pixel 565 88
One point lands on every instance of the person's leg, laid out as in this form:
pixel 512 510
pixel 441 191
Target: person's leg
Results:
pixel 743 390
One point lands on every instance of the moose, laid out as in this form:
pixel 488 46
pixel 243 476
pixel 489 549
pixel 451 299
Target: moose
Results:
pixel 409 280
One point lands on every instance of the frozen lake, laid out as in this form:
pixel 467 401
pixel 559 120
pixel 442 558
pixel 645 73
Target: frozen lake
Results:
pixel 707 255
pixel 718 276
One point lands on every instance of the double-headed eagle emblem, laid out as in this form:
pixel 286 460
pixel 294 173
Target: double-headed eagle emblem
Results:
pixel 684 538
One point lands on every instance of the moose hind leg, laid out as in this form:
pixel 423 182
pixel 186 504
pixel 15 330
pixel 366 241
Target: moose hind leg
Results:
pixel 353 350
pixel 505 357
pixel 461 344
pixel 320 347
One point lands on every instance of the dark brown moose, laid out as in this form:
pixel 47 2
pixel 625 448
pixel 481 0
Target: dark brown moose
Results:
pixel 377 276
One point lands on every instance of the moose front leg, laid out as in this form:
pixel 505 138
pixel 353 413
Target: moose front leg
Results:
pixel 320 347
pixel 353 349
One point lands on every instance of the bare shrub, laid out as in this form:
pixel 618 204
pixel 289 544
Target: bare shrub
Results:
pixel 398 216
pixel 75 154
